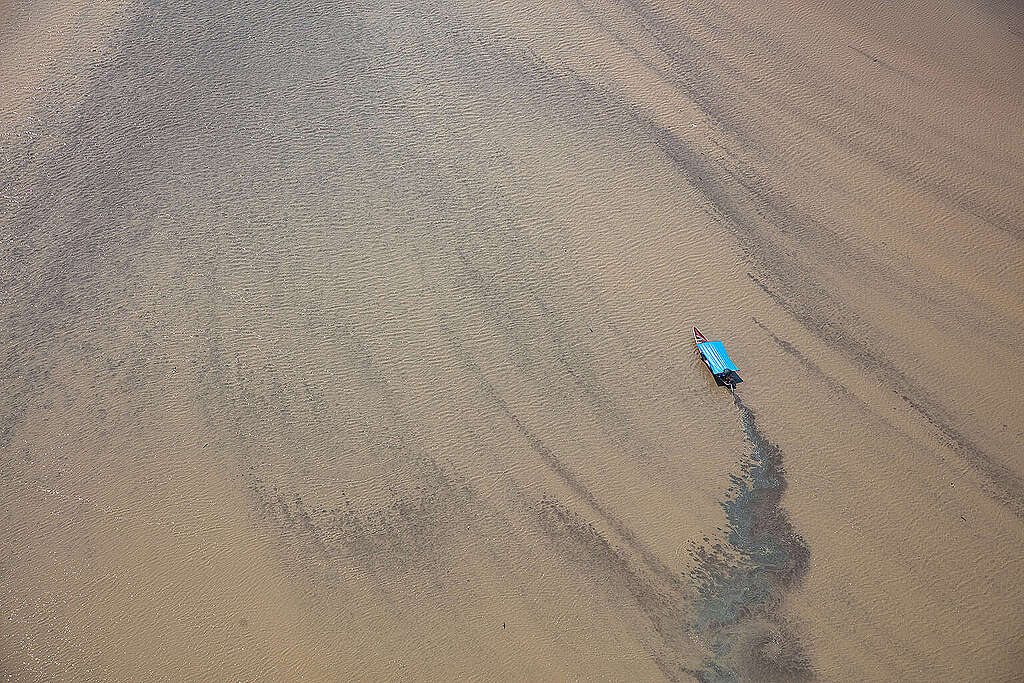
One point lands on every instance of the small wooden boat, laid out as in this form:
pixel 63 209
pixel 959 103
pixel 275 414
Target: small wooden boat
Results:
pixel 714 356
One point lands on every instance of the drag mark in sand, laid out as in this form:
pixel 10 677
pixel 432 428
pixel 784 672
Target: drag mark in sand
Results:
pixel 885 65
pixel 741 583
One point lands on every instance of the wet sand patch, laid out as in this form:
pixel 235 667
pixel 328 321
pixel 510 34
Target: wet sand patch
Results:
pixel 742 581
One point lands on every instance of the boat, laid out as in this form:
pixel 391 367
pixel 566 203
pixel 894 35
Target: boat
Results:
pixel 714 356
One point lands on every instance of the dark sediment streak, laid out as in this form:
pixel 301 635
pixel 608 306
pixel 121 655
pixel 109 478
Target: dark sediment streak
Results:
pixel 661 604
pixel 741 582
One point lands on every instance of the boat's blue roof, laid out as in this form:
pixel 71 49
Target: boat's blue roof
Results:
pixel 716 356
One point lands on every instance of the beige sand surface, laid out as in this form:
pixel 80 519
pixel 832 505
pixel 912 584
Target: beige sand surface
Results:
pixel 352 341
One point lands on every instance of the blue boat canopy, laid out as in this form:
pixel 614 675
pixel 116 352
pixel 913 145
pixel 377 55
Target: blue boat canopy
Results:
pixel 717 358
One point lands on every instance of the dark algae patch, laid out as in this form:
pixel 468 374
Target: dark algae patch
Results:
pixel 742 579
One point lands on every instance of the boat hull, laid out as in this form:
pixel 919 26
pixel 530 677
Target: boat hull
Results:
pixel 715 357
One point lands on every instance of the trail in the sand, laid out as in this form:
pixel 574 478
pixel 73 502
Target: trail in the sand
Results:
pixel 743 578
